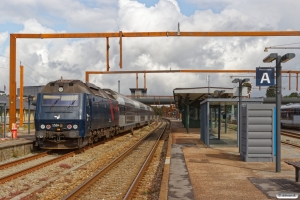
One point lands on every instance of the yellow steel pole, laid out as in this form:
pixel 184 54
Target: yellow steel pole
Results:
pixel 121 64
pixel 12 81
pixel 159 34
pixel 21 94
pixel 87 76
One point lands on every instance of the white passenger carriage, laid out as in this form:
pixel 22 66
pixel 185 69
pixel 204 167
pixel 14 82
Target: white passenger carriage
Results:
pixel 290 116
pixel 132 113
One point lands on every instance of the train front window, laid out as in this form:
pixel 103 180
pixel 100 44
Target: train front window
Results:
pixel 60 100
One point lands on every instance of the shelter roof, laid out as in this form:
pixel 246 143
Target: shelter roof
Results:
pixel 193 96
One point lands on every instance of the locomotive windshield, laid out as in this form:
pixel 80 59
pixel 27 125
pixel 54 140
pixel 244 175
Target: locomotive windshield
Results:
pixel 60 100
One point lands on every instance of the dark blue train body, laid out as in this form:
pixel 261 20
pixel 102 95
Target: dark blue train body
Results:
pixel 72 114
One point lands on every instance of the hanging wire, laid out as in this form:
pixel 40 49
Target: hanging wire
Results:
pixel 27 66
pixel 34 70
pixel 286 44
pixel 25 75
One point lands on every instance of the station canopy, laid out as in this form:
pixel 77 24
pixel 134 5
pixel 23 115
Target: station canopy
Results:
pixel 193 96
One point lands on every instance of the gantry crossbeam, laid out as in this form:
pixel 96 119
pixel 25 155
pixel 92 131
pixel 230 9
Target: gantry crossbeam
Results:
pixel 120 34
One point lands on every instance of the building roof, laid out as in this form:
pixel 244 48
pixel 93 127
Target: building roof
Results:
pixel 132 90
pixel 5 99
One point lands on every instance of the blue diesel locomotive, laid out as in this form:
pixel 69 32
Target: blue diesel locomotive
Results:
pixel 72 114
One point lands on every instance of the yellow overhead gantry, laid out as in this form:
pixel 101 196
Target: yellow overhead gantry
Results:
pixel 120 35
pixel 87 73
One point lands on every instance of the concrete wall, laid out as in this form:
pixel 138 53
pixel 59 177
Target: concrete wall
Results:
pixel 14 151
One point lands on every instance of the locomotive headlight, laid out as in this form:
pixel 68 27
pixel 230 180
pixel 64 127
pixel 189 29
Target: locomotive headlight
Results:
pixel 75 126
pixel 42 126
pixel 60 89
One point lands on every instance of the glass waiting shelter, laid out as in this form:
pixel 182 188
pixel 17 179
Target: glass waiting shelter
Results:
pixel 187 101
pixel 222 112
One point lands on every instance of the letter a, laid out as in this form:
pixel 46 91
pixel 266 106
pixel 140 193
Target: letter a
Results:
pixel 265 77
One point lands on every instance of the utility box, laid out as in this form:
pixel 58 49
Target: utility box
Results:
pixel 258 133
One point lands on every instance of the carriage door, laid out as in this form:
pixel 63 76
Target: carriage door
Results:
pixel 88 118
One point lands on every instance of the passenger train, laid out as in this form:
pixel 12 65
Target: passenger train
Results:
pixel 72 114
pixel 290 116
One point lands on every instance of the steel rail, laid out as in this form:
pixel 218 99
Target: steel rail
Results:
pixel 34 168
pixel 290 134
pixel 140 174
pixel 23 160
pixel 86 184
pixel 291 144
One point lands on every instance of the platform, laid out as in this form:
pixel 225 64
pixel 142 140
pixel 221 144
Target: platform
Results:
pixel 13 148
pixel 218 172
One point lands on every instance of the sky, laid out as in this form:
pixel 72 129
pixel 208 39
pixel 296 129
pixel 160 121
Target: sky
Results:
pixel 50 59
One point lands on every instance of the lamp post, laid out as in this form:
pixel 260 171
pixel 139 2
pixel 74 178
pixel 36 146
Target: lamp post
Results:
pixel 30 98
pixel 240 81
pixel 279 60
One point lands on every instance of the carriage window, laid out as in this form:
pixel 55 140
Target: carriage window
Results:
pixel 60 100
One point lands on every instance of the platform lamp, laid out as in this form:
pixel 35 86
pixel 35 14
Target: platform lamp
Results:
pixel 219 92
pixel 240 81
pixel 30 98
pixel 279 60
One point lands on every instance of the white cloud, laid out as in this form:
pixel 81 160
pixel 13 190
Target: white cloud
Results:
pixel 3 37
pixel 70 58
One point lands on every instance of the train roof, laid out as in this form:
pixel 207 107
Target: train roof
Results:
pixel 123 100
pixel 77 86
pixel 74 86
pixel 290 105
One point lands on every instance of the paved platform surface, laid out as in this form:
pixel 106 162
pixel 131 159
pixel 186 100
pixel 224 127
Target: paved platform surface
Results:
pixel 23 137
pixel 217 172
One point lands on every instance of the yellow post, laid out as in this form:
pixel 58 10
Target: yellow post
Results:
pixel 12 81
pixel 21 94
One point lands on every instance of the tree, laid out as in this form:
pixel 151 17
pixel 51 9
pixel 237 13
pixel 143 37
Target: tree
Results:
pixel 157 110
pixel 293 94
pixel 271 91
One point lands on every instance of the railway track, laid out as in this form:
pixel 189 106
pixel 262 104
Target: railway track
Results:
pixel 23 160
pixel 56 181
pixel 291 135
pixel 119 178
pixel 34 168
pixel 31 169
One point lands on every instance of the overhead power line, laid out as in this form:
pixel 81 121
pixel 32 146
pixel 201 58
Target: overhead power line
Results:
pixel 281 46
pixel 28 67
